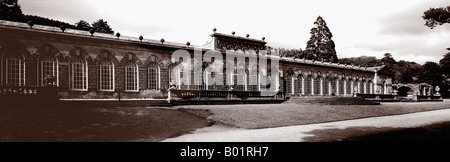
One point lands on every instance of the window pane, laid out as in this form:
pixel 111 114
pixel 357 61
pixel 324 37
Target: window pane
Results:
pixel 153 78
pixel 15 72
pixel 131 77
pixel 48 71
pixel 106 78
pixel 79 75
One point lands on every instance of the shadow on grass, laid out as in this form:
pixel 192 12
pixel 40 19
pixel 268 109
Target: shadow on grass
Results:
pixel 54 123
pixel 430 133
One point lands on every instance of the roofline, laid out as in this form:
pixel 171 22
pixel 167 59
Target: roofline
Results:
pixel 332 65
pixel 238 37
pixel 85 34
pixel 126 39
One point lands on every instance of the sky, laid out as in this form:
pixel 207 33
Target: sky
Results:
pixel 359 27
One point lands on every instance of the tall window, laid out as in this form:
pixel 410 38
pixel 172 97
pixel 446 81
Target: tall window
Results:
pixel 334 86
pixel 300 84
pixel 348 87
pixel 241 80
pixel 365 86
pixel 370 87
pixel 15 72
pixel 229 79
pixel 326 87
pixel 253 81
pixel 131 77
pixel 342 86
pixel 78 75
pixel 317 87
pixel 48 71
pixel 360 86
pixel 289 81
pixel 153 77
pixel 309 85
pixel 206 80
pixel 106 76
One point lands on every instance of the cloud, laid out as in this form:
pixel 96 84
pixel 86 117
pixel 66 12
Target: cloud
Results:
pixel 404 35
pixel 410 22
pixel 409 48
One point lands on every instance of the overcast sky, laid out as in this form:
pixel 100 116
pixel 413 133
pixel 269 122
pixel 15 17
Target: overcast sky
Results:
pixel 359 27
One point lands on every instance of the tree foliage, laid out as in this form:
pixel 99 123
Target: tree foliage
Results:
pixel 10 10
pixel 436 16
pixel 83 25
pixel 410 72
pixel 320 46
pixel 102 27
pixel 46 21
pixel 445 63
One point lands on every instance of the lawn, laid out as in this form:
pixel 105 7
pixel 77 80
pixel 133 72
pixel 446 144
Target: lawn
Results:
pixel 278 115
pixel 73 124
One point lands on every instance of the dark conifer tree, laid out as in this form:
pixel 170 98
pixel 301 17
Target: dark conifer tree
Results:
pixel 320 46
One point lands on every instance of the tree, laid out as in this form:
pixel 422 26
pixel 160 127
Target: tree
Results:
pixel 364 61
pixel 46 21
pixel 445 66
pixel 83 25
pixel 10 10
pixel 431 74
pixel 320 46
pixel 445 63
pixel 436 16
pixel 102 27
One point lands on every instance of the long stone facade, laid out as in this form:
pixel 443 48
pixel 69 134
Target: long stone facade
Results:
pixel 103 66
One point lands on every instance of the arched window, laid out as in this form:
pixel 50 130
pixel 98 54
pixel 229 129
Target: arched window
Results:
pixel 348 86
pixel 317 87
pixel 48 71
pixel 241 80
pixel 385 90
pixel 154 77
pixel 365 86
pixel 15 71
pixel 309 85
pixel 356 86
pixel 78 75
pixel 228 79
pixel 334 85
pixel 289 83
pixel 370 87
pixel 342 86
pixel 175 77
pixel 207 81
pixel 106 76
pixel 359 84
pixel 131 77
pixel 300 81
pixel 253 81
pixel 326 86
pixel 197 77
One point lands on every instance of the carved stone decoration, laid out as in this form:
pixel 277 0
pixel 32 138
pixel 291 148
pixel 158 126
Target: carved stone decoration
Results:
pixel 153 59
pixel 79 53
pixel 107 56
pixel 224 43
pixel 130 57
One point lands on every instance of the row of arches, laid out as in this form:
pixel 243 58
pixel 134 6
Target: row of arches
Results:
pixel 18 66
pixel 327 85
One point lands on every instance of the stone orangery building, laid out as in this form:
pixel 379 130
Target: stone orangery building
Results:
pixel 102 66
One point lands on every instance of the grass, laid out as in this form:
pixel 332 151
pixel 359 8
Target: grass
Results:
pixel 74 124
pixel 278 115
